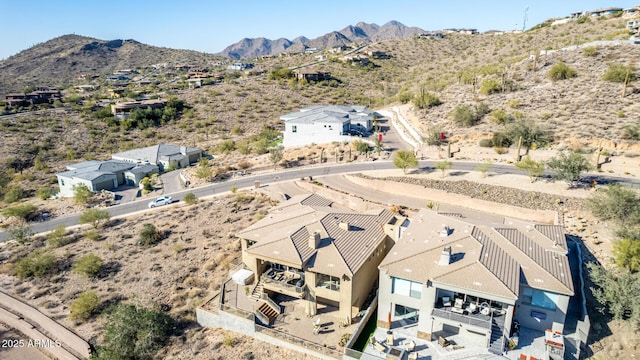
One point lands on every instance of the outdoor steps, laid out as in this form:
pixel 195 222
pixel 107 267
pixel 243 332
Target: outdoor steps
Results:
pixel 496 344
pixel 257 291
pixel 268 311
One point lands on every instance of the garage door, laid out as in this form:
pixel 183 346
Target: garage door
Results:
pixel 106 184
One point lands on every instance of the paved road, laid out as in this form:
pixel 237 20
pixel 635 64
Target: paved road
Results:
pixel 37 326
pixel 297 173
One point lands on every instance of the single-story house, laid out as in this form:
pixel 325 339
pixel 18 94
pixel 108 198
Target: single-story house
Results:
pixel 448 274
pixel 39 96
pixel 123 109
pixel 311 75
pixel 102 175
pixel 162 155
pixel 321 124
pixel 309 249
pixel 240 66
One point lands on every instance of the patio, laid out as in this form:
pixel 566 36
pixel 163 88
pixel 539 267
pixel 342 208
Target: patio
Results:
pixel 531 344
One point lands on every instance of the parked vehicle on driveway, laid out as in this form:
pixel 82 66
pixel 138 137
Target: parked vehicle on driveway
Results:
pixel 163 200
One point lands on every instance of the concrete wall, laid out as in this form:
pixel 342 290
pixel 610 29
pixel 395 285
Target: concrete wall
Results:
pixel 555 318
pixel 365 279
pixel 420 192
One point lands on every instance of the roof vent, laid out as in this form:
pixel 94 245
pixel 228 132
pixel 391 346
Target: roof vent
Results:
pixel 445 256
pixel 314 240
pixel 344 225
pixel 445 231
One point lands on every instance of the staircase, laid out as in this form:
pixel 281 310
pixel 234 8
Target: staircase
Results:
pixel 257 291
pixel 267 311
pixel 496 344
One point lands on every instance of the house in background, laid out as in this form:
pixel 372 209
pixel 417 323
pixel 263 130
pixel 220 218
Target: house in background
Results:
pixel 41 95
pixel 311 75
pixel 123 109
pixel 102 175
pixel 450 275
pixel 163 155
pixel 310 250
pixel 321 124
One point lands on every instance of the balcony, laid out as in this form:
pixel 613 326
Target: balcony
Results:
pixel 478 320
pixel 285 282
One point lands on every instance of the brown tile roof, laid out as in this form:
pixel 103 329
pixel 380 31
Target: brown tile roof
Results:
pixel 495 260
pixel 284 234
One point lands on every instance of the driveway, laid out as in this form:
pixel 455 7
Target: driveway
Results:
pixel 171 182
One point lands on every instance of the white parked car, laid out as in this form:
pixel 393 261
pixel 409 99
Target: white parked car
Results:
pixel 163 200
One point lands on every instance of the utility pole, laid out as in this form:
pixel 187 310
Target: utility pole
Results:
pixel 526 17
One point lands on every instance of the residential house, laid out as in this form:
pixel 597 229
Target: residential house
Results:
pixel 432 35
pixel 163 155
pixel 123 109
pixel 320 124
pixel 358 59
pixel 606 11
pixel 310 75
pixel 102 175
pixel 240 66
pixel 451 275
pixel 378 55
pixel 39 96
pixel 311 250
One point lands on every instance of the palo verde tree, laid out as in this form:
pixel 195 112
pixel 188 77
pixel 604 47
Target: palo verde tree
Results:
pixel 534 168
pixel 405 159
pixel 95 217
pixel 527 133
pixel 568 167
pixel 617 293
pixel 443 166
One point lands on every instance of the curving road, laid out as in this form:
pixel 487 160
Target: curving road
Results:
pixel 297 173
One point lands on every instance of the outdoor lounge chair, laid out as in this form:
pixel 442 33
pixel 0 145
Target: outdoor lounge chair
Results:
pixel 413 356
pixel 380 347
pixel 409 345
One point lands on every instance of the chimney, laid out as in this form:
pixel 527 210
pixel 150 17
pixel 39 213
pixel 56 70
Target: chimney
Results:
pixel 183 150
pixel 445 256
pixel 314 240
pixel 445 231
pixel 344 225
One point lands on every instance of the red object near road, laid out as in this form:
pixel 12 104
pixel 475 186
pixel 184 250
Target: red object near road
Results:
pixel 441 136
pixel 380 137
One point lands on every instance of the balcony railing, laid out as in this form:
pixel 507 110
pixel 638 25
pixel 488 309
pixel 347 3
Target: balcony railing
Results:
pixel 482 321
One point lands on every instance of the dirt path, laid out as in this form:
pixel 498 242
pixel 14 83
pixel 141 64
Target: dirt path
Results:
pixel 41 331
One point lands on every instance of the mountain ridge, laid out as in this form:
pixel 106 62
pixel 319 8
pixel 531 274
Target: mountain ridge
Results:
pixel 358 33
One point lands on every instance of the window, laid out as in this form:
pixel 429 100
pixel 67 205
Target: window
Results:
pixel 405 312
pixel 250 243
pixel 407 288
pixel 328 282
pixel 61 182
pixel 294 128
pixel 539 298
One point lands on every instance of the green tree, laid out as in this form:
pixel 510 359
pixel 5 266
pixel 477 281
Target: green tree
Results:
pixel 530 132
pixel 426 100
pixel 626 253
pixel 561 71
pixel 57 237
pixel 81 194
pixel 23 211
pixel 378 145
pixel 204 172
pixel 94 217
pixel 405 159
pixel 38 263
pixel 361 146
pixel 617 293
pixel 534 168
pixel 443 166
pixel 568 167
pixel 45 193
pixel 616 203
pixel 84 306
pixel 149 235
pixel 483 168
pixel 88 265
pixel 132 332
pixel 21 234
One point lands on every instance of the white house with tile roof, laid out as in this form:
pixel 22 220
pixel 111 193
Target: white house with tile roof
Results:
pixel 162 155
pixel 309 249
pixel 451 275
pixel 322 124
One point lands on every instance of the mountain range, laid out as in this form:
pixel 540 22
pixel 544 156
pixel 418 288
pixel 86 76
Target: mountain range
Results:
pixel 359 33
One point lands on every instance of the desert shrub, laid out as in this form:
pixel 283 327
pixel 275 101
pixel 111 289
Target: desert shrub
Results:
pixel 81 194
pixel 45 193
pixel 405 97
pixel 190 199
pixel 631 132
pixel 361 146
pixel 14 193
pixel 619 73
pixel 500 139
pixel 426 100
pixel 590 51
pixel 531 133
pixel 22 211
pixel 92 235
pixel 88 265
pixel 513 103
pixel 616 203
pixel 84 306
pixel 490 86
pixel 149 235
pixel 57 237
pixel 467 115
pixel 94 217
pixel 38 263
pixel 500 116
pixel 281 73
pixel 433 137
pixel 133 332
pixel 227 146
pixel 21 234
pixel 561 71
pixel 583 19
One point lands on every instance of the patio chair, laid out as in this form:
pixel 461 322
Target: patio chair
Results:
pixel 473 308
pixel 413 356
pixel 380 347
pixel 446 301
pixel 409 345
pixel 457 306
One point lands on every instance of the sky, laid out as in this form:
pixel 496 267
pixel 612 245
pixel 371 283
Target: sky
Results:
pixel 211 25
